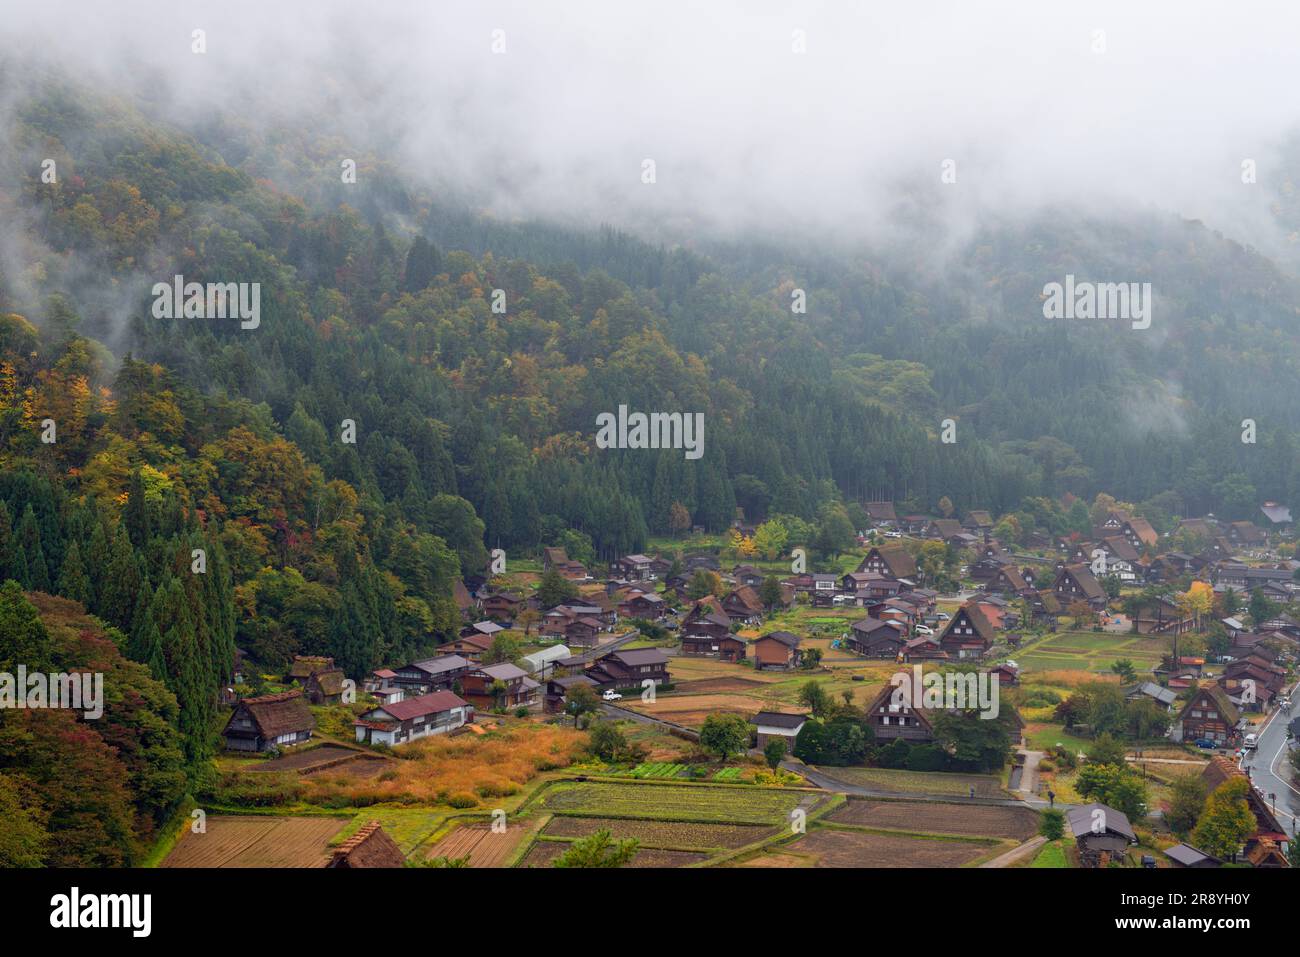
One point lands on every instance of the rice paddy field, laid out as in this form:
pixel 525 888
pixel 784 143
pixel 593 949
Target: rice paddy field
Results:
pixel 1090 651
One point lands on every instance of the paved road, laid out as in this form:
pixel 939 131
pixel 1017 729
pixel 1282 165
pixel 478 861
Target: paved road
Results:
pixel 1271 772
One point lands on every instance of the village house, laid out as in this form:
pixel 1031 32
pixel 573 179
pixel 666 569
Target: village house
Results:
pixel 413 718
pixel 1159 616
pixel 502 685
pixel 968 634
pixel 1008 581
pixel 1150 691
pixel 748 575
pixel 1121 559
pixel 1247 535
pixel 304 666
pixel 633 568
pixel 1101 834
pixel 1208 716
pixel 269 721
pixel 502 607
pixel 1268 829
pixel 1278 515
pixel 1184 855
pixel 923 648
pixel 891 562
pixel 642 604
pixel 777 726
pixel 558 687
pixel 709 635
pixel 471 645
pixel 558 559
pixel 944 529
pixel 875 638
pixel 893 716
pixel 325 687
pixel 369 847
pixel 630 669
pixel 431 674
pixel 977 520
pixel 882 514
pixel 1077 583
pixel 777 650
pixel 1008 674
pixel 743 605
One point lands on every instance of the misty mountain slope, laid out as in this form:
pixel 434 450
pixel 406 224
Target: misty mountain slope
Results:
pixel 500 409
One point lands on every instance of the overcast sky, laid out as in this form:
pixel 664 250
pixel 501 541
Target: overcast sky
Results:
pixel 1033 104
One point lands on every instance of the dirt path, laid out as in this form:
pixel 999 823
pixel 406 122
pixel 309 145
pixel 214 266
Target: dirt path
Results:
pixel 1027 849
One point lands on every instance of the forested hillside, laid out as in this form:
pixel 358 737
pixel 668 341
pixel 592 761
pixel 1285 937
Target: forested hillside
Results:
pixel 474 427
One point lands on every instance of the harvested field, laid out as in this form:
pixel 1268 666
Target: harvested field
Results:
pixel 723 805
pixel 543 853
pixel 326 757
pixel 257 842
pixel 661 833
pixel 835 848
pixel 966 819
pixel 704 685
pixel 776 859
pixel 478 842
pixel 297 760
pixel 692 709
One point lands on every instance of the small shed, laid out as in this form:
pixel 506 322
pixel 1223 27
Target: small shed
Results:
pixel 779 726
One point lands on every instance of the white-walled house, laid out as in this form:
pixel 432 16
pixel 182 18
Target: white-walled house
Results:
pixel 413 718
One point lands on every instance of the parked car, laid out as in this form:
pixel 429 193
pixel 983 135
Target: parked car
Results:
pixel 612 695
pixel 943 616
pixel 1206 743
pixel 923 630
pixel 893 534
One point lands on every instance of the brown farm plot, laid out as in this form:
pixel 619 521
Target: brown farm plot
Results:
pixel 836 848
pixel 480 844
pixel 1019 823
pixel 257 842
pixel 705 685
pixel 691 710
pixel 661 833
pixel 543 853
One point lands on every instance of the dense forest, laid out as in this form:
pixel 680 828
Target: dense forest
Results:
pixel 472 357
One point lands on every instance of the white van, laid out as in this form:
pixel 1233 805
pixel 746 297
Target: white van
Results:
pixel 1251 742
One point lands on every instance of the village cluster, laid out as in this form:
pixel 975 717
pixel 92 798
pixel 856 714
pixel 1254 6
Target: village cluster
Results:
pixel 622 636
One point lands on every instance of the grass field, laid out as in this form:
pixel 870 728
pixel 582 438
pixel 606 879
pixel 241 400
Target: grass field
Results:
pixel 1052 854
pixel 1090 651
pixel 919 782
pixel 408 827
pixel 672 802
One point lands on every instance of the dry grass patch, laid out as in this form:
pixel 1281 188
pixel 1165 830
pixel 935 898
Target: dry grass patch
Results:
pixel 462 770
